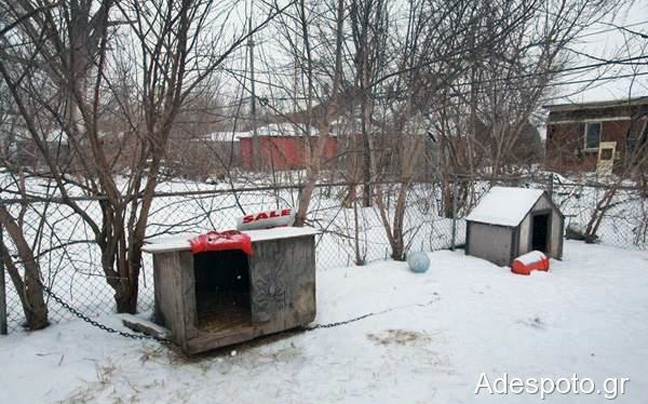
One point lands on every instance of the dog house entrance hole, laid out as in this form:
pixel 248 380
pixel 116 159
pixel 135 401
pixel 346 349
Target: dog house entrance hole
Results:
pixel 540 236
pixel 222 291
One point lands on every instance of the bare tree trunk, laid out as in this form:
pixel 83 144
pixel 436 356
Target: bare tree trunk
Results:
pixel 321 143
pixel 312 174
pixel 410 150
pixel 29 288
pixel 398 249
pixel 367 144
pixel 367 20
pixel 359 258
pixel 599 213
pixel 446 161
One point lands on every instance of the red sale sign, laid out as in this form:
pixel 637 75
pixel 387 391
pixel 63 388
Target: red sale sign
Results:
pixel 267 219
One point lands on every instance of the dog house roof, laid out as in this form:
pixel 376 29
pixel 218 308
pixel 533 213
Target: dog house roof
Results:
pixel 181 242
pixel 505 206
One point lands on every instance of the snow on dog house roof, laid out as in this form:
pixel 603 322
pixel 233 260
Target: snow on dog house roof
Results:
pixel 505 206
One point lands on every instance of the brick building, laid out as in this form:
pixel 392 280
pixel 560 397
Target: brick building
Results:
pixel 579 136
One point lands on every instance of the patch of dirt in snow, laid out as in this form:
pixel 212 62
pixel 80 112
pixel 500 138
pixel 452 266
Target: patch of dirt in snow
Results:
pixel 535 322
pixel 398 337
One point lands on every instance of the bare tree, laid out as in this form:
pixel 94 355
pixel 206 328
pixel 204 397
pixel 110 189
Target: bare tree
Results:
pixel 370 26
pixel 517 50
pixel 320 143
pixel 79 52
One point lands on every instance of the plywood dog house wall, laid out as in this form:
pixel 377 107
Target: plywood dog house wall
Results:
pixel 509 222
pixel 214 299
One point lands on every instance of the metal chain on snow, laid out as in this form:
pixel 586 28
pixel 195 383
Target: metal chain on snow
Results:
pixel 339 323
pixel 362 317
pixel 110 330
pixel 97 324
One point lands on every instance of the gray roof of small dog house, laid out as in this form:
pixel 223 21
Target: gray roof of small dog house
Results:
pixel 505 206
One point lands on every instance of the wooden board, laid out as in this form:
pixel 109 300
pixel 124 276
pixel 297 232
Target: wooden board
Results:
pixel 145 326
pixel 175 300
pixel 282 283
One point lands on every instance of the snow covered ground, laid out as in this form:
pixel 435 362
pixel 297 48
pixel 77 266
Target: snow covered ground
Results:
pixel 434 337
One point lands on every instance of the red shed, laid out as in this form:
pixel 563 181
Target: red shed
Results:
pixel 282 148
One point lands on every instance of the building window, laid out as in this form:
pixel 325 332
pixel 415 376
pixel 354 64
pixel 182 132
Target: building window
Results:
pixel 592 135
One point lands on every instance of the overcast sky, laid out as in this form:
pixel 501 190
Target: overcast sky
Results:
pixel 603 41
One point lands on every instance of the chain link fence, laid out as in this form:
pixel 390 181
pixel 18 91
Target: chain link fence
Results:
pixel 625 223
pixel 350 233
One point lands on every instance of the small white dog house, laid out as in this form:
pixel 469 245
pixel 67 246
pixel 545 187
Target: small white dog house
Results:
pixel 509 222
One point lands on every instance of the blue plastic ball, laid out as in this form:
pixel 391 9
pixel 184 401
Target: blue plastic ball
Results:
pixel 418 262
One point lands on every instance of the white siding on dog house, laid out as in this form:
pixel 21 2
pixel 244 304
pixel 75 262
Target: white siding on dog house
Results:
pixel 495 245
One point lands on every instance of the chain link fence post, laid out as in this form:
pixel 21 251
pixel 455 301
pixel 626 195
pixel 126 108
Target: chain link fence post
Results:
pixel 3 292
pixel 454 213
pixel 550 186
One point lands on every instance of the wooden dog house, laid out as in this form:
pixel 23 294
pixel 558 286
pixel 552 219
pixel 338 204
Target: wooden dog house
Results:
pixel 509 222
pixel 218 298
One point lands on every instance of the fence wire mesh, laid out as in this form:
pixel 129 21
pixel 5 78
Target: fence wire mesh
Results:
pixel 351 234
